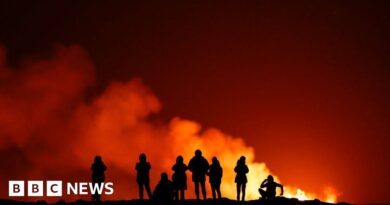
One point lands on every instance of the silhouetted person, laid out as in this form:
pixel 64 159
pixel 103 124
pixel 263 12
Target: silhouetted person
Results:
pixel 241 169
pixel 215 176
pixel 98 168
pixel 179 177
pixel 143 167
pixel 270 186
pixel 164 189
pixel 199 166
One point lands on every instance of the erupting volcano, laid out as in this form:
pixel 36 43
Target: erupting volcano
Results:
pixel 51 129
pixel 301 90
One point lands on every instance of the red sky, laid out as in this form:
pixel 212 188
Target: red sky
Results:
pixel 306 84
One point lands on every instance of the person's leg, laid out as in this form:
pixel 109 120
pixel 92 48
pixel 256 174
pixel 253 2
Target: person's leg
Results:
pixel 93 197
pixel 182 194
pixel 140 190
pixel 97 197
pixel 243 191
pixel 238 191
pixel 271 195
pixel 263 193
pixel 219 190
pixel 197 190
pixel 176 194
pixel 203 184
pixel 213 191
pixel 147 187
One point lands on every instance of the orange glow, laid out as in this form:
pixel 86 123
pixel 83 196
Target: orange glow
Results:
pixel 59 132
pixel 331 194
pixel 228 149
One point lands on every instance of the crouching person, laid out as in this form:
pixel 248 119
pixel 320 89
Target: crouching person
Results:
pixel 164 189
pixel 270 188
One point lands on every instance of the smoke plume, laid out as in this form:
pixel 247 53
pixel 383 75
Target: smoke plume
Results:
pixel 50 130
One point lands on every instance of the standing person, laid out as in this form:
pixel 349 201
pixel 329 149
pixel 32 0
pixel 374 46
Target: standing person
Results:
pixel 143 167
pixel 179 177
pixel 270 186
pixel 215 176
pixel 98 168
pixel 241 169
pixel 199 166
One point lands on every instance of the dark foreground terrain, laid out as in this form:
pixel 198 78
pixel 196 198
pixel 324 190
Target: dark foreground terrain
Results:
pixel 277 201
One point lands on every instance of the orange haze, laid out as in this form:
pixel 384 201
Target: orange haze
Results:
pixel 49 129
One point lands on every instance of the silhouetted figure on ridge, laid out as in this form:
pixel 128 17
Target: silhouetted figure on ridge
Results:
pixel 215 176
pixel 143 167
pixel 199 166
pixel 241 169
pixel 270 186
pixel 179 177
pixel 98 168
pixel 164 189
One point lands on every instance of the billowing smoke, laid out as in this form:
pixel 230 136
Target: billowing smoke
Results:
pixel 50 130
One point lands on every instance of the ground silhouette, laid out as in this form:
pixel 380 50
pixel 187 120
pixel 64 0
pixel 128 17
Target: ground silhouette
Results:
pixel 275 201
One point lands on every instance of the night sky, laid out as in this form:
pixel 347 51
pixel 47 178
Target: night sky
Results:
pixel 305 83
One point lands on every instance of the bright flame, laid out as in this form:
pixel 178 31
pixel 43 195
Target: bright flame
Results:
pixel 228 149
pixel 331 194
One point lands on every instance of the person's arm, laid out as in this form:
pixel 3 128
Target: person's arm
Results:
pixel 190 165
pixel 174 167
pixel 281 189
pixel 206 165
pixel 264 183
pixel 246 169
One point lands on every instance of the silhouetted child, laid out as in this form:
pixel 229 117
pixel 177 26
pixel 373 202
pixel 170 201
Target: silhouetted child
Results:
pixel 241 169
pixel 199 166
pixel 164 189
pixel 215 176
pixel 270 186
pixel 179 178
pixel 98 168
pixel 143 167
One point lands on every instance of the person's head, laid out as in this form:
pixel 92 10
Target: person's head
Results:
pixel 242 159
pixel 215 160
pixel 179 159
pixel 270 178
pixel 164 176
pixel 142 157
pixel 98 159
pixel 198 153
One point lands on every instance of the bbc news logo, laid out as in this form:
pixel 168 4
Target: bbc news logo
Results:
pixel 35 188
